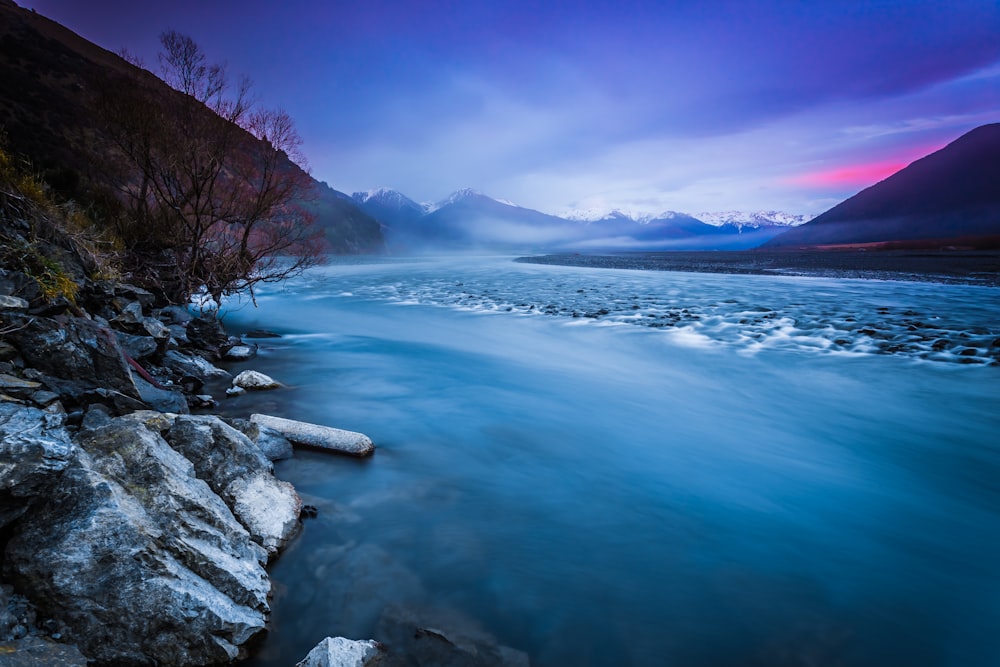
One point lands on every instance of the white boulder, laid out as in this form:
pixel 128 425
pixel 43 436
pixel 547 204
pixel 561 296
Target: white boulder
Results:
pixel 253 380
pixel 315 436
pixel 340 652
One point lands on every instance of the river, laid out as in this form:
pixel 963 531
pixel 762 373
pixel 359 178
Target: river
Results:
pixel 716 470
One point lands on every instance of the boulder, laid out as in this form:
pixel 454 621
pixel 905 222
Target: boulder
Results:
pixel 12 302
pixel 34 450
pixel 76 350
pixel 240 353
pixel 138 557
pixel 207 333
pixel 340 652
pixel 314 436
pixel 272 444
pixel 137 347
pixel 36 651
pixel 239 472
pixel 164 400
pixel 252 380
pixel 192 365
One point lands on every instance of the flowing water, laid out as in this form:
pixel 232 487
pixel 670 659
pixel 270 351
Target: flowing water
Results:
pixel 608 467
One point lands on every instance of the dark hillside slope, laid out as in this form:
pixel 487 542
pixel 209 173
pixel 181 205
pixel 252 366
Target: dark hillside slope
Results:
pixel 951 194
pixel 50 81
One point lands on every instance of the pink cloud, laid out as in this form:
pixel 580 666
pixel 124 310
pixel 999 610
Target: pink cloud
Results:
pixel 851 175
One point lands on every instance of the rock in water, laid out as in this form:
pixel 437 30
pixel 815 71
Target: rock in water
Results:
pixel 254 380
pixel 320 437
pixel 340 652
pixel 138 557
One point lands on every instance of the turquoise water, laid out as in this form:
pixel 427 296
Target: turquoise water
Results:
pixel 600 491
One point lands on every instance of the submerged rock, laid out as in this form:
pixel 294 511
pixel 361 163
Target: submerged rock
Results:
pixel 140 559
pixel 341 652
pixel 326 438
pixel 240 352
pixel 443 638
pixel 253 380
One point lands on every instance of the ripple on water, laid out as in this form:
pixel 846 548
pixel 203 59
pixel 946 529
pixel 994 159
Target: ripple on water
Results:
pixel 810 315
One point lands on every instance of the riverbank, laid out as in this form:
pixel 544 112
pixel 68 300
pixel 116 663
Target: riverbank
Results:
pixel 956 267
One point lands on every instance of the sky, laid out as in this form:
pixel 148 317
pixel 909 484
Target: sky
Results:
pixel 790 105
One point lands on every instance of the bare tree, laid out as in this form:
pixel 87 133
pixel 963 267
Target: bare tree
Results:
pixel 214 182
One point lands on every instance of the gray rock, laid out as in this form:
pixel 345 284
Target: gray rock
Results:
pixel 13 302
pixel 140 559
pixel 193 365
pixel 315 436
pixel 235 391
pixel 341 652
pixel 15 386
pixel 137 347
pixel 164 400
pixel 240 352
pixel 76 350
pixel 44 398
pixel 252 380
pixel 177 315
pixel 131 319
pixel 37 651
pixel 131 292
pixel 272 444
pixel 34 450
pixel 239 472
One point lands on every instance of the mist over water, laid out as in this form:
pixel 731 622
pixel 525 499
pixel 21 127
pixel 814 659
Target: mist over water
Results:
pixel 700 493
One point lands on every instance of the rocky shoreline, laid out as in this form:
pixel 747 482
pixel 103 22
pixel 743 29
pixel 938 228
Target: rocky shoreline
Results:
pixel 132 531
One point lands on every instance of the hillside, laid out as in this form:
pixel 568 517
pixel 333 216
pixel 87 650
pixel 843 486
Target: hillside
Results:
pixel 951 196
pixel 50 82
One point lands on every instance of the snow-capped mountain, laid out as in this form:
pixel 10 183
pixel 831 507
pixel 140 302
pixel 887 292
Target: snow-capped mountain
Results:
pixel 387 197
pixel 468 218
pixel 752 220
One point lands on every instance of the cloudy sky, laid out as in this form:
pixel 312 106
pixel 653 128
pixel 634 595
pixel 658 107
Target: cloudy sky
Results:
pixel 648 106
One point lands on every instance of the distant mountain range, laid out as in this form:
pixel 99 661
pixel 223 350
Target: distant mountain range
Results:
pixel 948 198
pixel 468 219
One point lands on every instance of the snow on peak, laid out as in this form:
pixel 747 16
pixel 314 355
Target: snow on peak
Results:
pixel 753 220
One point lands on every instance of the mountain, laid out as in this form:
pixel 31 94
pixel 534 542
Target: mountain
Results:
pixel 468 219
pixel 50 84
pixel 743 220
pixel 951 196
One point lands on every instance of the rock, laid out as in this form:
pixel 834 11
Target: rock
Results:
pixel 340 652
pixel 76 350
pixel 96 417
pixel 7 351
pixel 252 380
pixel 11 384
pixel 140 559
pixel 175 315
pixel 192 365
pixel 44 398
pixel 272 444
pixel 240 353
pixel 131 319
pixel 132 293
pixel 260 333
pixel 443 638
pixel 12 302
pixel 163 400
pixel 235 391
pixel 206 333
pixel 34 450
pixel 236 469
pixel 315 436
pixel 36 651
pixel 137 347
pixel 21 285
